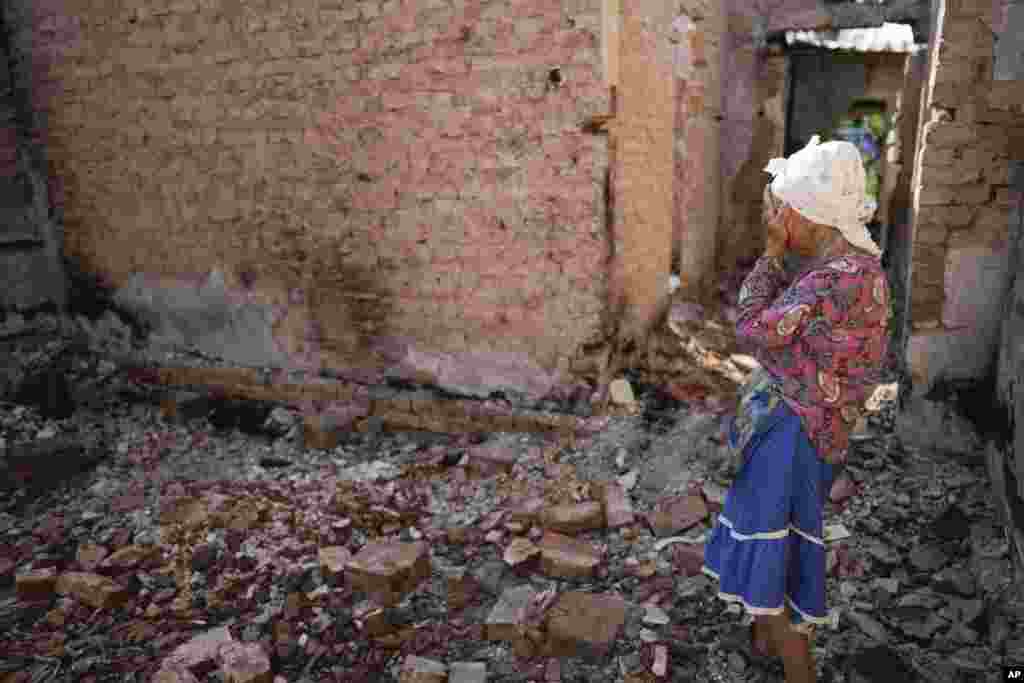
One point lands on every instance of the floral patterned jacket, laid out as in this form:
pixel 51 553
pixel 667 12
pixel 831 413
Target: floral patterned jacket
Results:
pixel 821 341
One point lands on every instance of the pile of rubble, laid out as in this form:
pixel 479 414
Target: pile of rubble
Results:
pixel 225 542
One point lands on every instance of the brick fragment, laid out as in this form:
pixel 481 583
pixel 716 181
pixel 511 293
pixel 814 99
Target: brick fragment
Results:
pixel 386 571
pixel 244 663
pixel 422 670
pixel 320 432
pixel 520 550
pixel 332 562
pixel 527 512
pixel 130 557
pixel 566 557
pixel 36 585
pixel 200 649
pixel 507 619
pixel 462 588
pixel 94 590
pixel 184 406
pixel 616 506
pixel 677 513
pixel 584 624
pixel 490 459
pixel 90 555
pixel 572 519
pixel 189 512
pixel 621 392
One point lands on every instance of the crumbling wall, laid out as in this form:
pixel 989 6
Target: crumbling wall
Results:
pixel 376 188
pixel 697 189
pixel 899 172
pixel 644 165
pixel 963 207
pixel 31 268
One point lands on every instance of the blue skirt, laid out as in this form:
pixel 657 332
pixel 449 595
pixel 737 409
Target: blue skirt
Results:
pixel 767 547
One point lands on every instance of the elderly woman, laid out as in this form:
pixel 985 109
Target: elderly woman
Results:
pixel 820 339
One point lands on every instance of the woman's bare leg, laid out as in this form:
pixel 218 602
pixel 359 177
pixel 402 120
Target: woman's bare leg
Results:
pixel 794 648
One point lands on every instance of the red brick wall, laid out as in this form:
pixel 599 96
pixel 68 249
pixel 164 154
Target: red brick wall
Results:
pixel 399 170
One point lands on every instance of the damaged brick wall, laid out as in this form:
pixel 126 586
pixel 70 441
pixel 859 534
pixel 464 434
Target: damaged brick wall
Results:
pixel 962 201
pixel 644 164
pixel 31 267
pixel 388 187
pixel 899 171
pixel 698 111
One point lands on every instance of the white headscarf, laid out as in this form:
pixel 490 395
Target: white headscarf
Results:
pixel 826 184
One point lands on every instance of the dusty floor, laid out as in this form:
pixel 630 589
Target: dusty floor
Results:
pixel 219 522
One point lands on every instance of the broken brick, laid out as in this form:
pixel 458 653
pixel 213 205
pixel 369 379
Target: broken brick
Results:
pixel 320 432
pixel 332 562
pixel 676 514
pixel 388 570
pixel 584 624
pixel 174 676
pixel 572 519
pixel 188 512
pixel 565 557
pixel 490 459
pixel 527 512
pixel 520 550
pixel 688 558
pixel 90 555
pixel 94 590
pixel 421 670
pixel 184 406
pixel 36 585
pixel 199 650
pixel 618 510
pixel 244 663
pixel 130 557
pixel 462 588
pixel 508 618
pixel 621 392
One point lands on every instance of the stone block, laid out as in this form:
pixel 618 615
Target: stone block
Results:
pixel 565 557
pixel 574 518
pixel 584 625
pixel 387 571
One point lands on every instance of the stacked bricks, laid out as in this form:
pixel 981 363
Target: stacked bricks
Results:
pixel 413 170
pixel 963 198
pixel 971 132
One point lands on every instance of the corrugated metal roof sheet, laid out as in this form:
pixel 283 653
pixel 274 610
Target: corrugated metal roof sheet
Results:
pixel 886 38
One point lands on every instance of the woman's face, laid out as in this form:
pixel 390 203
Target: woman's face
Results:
pixel 804 236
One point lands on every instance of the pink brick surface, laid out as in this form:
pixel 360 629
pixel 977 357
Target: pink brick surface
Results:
pixel 418 155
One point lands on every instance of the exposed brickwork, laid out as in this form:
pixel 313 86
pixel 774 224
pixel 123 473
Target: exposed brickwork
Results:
pixel 380 170
pixel 970 133
pixel 698 185
pixel 644 162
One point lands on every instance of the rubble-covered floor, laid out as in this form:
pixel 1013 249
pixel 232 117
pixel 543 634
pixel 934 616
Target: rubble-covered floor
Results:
pixel 221 549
